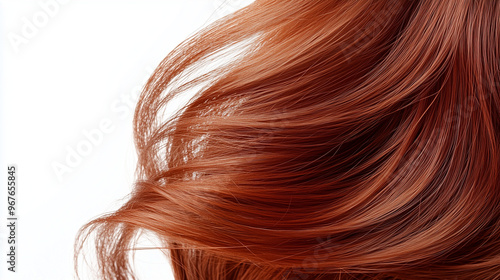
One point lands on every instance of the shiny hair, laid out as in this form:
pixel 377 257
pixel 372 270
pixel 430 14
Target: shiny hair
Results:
pixel 324 139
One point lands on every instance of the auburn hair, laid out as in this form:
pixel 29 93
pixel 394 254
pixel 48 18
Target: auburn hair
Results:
pixel 323 139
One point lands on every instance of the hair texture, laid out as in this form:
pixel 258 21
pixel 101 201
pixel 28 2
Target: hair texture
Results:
pixel 330 139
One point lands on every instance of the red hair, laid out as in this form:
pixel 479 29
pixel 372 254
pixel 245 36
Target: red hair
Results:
pixel 340 140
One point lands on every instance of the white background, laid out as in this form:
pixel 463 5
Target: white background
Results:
pixel 70 69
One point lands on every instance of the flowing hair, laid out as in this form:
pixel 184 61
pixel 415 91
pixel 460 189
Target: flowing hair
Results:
pixel 323 139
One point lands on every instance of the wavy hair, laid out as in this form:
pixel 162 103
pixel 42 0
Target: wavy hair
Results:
pixel 323 139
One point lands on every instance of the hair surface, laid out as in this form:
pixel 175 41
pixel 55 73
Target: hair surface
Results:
pixel 341 140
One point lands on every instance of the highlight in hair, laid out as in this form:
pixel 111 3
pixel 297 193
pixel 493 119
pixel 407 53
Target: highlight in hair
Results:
pixel 354 139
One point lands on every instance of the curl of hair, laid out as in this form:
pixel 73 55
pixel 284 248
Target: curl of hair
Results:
pixel 341 139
